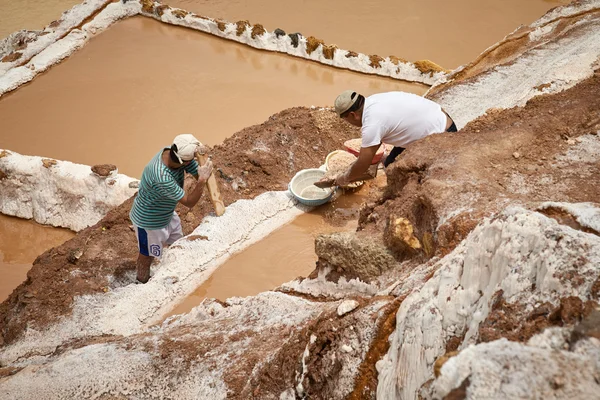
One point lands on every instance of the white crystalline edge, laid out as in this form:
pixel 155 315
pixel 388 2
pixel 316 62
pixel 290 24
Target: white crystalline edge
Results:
pixel 289 394
pixel 562 63
pixel 346 306
pixel 513 252
pixel 111 369
pixel 321 286
pixel 59 50
pixel 352 346
pixel 586 151
pixel 77 372
pixel 69 20
pixel 131 309
pixel 266 309
pixel 66 194
pixel 507 370
pixel 586 214
pixel 269 41
pixel 566 11
pixel 542 31
pixel 300 377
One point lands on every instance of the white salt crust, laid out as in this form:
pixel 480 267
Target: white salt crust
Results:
pixel 520 252
pixel 69 20
pixel 51 49
pixel 64 194
pixel 509 370
pixel 135 367
pixel 283 44
pixel 550 67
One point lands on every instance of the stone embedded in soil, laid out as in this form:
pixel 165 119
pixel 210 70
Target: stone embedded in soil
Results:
pixel 351 256
pixel 257 30
pixel 241 27
pixel 104 170
pixel 375 61
pixel 179 13
pixel 295 37
pixel 12 57
pixel 48 162
pixel 429 67
pixel 398 236
pixel 329 51
pixel 346 307
pixel 312 43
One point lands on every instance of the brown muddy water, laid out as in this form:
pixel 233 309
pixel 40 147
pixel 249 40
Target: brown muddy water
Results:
pixel 21 241
pixel 134 87
pixel 282 256
pixel 30 14
pixel 450 33
pixel 138 84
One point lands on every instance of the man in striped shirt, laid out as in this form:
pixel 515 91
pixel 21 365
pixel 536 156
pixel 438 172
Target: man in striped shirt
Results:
pixel 161 188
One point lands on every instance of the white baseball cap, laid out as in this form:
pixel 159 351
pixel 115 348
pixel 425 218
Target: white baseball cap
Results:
pixel 184 147
pixel 345 100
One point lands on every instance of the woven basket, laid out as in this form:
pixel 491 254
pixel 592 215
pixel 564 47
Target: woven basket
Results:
pixel 352 185
pixel 352 145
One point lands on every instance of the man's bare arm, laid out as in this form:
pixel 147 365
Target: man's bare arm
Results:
pixel 360 166
pixel 204 172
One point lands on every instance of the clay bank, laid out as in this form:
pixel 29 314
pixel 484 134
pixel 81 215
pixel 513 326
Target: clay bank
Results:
pixel 473 273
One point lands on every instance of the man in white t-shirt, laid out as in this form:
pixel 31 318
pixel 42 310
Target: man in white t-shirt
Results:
pixel 394 118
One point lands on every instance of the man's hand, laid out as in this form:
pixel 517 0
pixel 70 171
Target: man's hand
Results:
pixel 205 171
pixel 325 182
pixel 201 150
pixel 342 179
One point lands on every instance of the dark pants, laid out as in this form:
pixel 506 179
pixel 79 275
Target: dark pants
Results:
pixel 396 151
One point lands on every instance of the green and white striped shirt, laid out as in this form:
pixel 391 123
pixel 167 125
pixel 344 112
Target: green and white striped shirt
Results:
pixel 161 188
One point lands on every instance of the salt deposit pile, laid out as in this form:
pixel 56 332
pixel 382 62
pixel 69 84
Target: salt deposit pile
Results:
pixel 475 273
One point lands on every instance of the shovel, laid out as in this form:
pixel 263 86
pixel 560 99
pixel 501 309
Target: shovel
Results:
pixel 211 185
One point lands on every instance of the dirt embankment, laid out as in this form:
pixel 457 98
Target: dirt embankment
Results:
pixel 445 184
pixel 255 160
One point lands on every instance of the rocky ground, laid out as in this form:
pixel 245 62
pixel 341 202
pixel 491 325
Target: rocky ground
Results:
pixel 474 271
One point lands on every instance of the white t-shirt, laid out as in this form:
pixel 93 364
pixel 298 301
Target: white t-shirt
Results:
pixel 399 118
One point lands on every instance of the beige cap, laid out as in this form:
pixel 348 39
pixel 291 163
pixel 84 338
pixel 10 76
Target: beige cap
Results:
pixel 185 146
pixel 344 101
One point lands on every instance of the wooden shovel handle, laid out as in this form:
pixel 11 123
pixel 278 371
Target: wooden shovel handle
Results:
pixel 213 189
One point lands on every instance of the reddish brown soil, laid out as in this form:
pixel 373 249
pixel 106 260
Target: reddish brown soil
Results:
pixel 260 158
pixel 323 364
pixel 365 385
pixel 511 321
pixel 479 162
